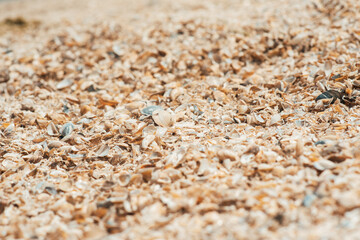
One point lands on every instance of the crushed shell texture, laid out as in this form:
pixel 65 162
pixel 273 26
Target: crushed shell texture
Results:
pixel 180 119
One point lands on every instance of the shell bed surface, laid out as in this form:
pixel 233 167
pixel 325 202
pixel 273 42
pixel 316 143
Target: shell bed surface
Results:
pixel 238 143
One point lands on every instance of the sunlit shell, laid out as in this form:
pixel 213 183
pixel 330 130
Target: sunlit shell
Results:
pixel 65 185
pixel 163 118
pixel 146 173
pixel 299 149
pixel 136 179
pixel 175 93
pixel 27 105
pixel 275 119
pixel 64 83
pixel 118 50
pixel 55 144
pixel 243 109
pixel 135 105
pixel 328 68
pixel 147 141
pixel 226 154
pixel 124 179
pixel 324 164
pixel 103 151
pixel 258 119
pixel 9 129
pixel 84 109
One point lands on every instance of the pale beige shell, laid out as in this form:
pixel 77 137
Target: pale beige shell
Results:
pixel 163 118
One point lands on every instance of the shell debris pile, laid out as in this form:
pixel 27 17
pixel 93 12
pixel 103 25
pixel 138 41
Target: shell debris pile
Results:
pixel 180 119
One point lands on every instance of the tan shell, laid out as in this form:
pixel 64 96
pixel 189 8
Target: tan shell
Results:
pixel 163 118
pixel 243 109
pixel 103 151
pixel 52 130
pixel 226 154
pixel 124 179
pixel 275 119
pixel 175 93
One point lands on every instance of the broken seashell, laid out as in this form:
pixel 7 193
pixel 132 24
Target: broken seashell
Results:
pixel 103 151
pixel 149 110
pixel 134 105
pixel 226 154
pixel 147 141
pixel 278 171
pixel 175 93
pixel 146 173
pixel 299 149
pixel 27 105
pixel 9 129
pixel 275 119
pixel 328 68
pixel 243 109
pixel 41 123
pixel 331 94
pixel 84 109
pixel 67 129
pixel 55 144
pixel 118 50
pixel 64 83
pixel 324 164
pixel 204 168
pixel 258 119
pixel 136 179
pixel 163 118
pixel 51 190
pixel 161 177
pixel 65 185
pixel 124 179
pixel 253 149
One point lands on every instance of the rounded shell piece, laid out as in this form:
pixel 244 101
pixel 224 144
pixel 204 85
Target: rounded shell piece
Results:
pixel 148 111
pixel 163 118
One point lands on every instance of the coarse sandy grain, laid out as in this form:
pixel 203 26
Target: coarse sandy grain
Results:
pixel 180 119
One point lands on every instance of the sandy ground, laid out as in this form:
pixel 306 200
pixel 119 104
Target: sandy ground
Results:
pixel 179 119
